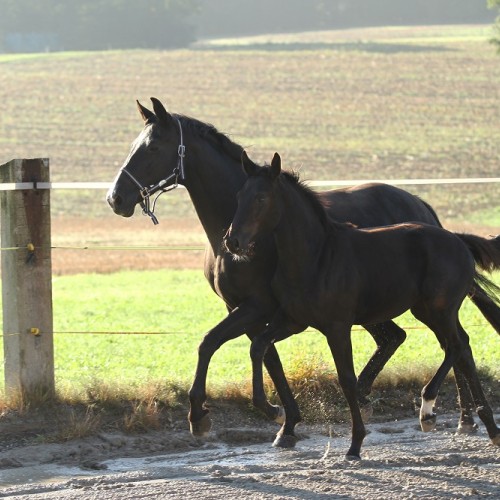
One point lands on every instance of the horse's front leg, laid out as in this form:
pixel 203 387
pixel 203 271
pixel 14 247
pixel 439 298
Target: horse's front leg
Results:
pixel 231 327
pixel 279 329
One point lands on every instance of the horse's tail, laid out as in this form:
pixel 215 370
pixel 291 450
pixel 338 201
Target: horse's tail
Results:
pixel 486 296
pixel 486 251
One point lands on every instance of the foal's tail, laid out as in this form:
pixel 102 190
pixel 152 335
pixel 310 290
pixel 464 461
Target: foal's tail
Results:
pixel 486 251
pixel 485 294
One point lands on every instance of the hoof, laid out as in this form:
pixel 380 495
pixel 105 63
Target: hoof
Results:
pixel 467 428
pixel 496 440
pixel 202 427
pixel 285 441
pixel 428 424
pixel 366 412
pixel 280 418
pixel 352 458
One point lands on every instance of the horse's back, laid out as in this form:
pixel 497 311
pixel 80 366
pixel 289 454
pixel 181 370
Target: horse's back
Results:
pixel 376 204
pixel 395 268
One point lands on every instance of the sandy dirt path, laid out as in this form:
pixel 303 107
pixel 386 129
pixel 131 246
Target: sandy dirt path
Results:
pixel 399 461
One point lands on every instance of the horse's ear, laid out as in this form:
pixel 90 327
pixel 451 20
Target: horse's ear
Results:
pixel 275 168
pixel 248 165
pixel 163 115
pixel 147 116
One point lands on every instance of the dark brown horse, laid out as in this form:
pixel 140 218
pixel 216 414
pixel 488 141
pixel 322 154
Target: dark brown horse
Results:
pixel 332 275
pixel 174 149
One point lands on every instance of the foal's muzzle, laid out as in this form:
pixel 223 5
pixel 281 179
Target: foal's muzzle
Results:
pixel 233 246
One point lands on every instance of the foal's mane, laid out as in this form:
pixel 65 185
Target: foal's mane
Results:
pixel 291 179
pixel 209 132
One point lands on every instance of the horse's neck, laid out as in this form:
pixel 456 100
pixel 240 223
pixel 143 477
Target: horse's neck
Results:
pixel 213 178
pixel 300 236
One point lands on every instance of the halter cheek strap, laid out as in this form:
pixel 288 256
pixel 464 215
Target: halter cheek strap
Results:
pixel 147 191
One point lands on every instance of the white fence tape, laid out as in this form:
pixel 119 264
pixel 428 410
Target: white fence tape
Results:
pixel 11 186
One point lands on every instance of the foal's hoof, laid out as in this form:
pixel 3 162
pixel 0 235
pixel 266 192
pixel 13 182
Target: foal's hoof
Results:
pixel 428 423
pixel 285 441
pixel 202 427
pixel 467 428
pixel 496 440
pixel 366 412
pixel 280 417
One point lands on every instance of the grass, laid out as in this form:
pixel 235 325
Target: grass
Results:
pixel 180 307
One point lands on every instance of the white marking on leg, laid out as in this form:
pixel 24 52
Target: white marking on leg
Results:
pixel 280 419
pixel 426 410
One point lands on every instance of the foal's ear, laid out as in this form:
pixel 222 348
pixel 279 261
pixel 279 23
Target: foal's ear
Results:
pixel 275 168
pixel 147 116
pixel 163 115
pixel 248 165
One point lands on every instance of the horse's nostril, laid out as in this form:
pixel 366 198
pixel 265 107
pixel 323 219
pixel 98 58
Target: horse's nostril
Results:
pixel 114 201
pixel 232 244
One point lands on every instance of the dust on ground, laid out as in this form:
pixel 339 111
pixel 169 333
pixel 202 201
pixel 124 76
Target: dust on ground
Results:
pixel 238 461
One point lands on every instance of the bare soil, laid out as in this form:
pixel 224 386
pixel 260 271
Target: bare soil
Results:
pixel 238 461
pixel 110 244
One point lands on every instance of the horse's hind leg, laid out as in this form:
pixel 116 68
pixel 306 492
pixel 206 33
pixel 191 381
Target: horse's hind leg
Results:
pixel 443 324
pixel 466 424
pixel 388 337
pixel 467 366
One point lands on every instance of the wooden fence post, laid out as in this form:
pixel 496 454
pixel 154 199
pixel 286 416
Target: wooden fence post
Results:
pixel 27 281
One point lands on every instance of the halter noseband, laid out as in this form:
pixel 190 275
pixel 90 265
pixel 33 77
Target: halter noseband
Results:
pixel 147 191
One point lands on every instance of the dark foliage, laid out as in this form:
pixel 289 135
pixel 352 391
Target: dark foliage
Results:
pixel 29 25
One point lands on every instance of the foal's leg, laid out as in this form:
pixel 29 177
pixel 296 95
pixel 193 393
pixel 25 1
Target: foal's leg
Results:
pixel 389 337
pixel 274 367
pixel 467 366
pixel 280 328
pixel 444 325
pixel 339 341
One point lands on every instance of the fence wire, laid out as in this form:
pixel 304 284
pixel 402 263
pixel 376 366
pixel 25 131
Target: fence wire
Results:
pixel 308 330
pixel 106 185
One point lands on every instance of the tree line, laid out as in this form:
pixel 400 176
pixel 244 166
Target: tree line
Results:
pixel 117 24
pixel 96 24
pixel 233 17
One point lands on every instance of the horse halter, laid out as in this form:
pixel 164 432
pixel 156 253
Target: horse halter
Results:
pixel 146 192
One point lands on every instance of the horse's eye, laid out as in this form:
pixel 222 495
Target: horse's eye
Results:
pixel 260 199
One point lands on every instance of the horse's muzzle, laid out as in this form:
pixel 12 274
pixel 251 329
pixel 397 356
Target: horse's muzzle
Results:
pixel 232 244
pixel 117 205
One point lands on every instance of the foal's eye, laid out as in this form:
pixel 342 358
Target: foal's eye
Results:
pixel 260 199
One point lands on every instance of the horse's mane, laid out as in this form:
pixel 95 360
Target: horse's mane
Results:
pixel 209 132
pixel 292 179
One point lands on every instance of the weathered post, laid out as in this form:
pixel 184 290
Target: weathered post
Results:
pixel 27 281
